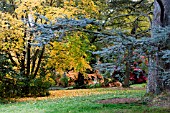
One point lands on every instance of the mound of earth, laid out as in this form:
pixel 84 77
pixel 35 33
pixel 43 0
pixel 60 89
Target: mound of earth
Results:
pixel 118 100
pixel 162 101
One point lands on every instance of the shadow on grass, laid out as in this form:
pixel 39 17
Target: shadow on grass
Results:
pixel 112 108
pixel 136 108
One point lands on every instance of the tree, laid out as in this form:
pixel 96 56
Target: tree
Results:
pixel 38 33
pixel 25 36
pixel 24 59
pixel 132 16
pixel 125 23
pixel 71 53
pixel 159 68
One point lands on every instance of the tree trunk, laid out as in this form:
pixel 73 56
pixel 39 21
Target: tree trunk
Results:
pixel 128 66
pixel 39 61
pixel 153 85
pixel 161 18
pixel 127 75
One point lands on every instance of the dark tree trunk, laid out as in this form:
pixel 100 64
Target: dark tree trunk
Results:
pixel 128 66
pixel 28 58
pixel 39 61
pixel 34 60
pixel 127 75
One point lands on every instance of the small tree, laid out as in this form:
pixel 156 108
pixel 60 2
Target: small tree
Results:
pixel 122 53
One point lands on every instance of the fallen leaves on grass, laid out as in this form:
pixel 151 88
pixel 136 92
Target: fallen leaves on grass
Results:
pixel 54 94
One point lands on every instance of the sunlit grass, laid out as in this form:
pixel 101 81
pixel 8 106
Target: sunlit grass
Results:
pixel 81 92
pixel 81 101
pixel 143 85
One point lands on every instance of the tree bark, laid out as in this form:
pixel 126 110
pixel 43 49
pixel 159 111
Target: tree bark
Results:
pixel 161 19
pixel 39 61
pixel 128 65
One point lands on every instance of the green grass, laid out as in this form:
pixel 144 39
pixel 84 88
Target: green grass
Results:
pixel 83 104
pixel 143 85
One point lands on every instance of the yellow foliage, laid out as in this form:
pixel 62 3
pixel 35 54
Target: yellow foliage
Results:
pixel 70 54
pixel 37 6
pixel 88 6
pixel 28 6
pixel 11 32
pixel 62 55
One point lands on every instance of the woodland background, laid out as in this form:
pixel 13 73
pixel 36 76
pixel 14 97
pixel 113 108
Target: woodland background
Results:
pixel 43 39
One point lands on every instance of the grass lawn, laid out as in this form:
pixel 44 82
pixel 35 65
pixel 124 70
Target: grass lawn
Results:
pixel 81 101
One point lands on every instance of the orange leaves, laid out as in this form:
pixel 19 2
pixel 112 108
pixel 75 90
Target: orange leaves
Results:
pixel 71 93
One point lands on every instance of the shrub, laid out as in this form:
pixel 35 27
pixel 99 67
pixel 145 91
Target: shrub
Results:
pixel 16 84
pixel 64 81
pixel 40 86
pixel 97 85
